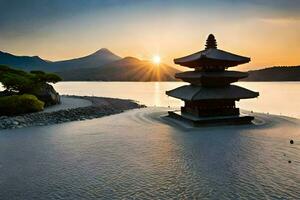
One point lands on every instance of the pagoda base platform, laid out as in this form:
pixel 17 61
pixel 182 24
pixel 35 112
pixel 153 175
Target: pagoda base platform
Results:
pixel 210 121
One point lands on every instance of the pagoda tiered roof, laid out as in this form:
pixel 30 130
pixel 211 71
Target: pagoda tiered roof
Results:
pixel 196 93
pixel 211 57
pixel 217 78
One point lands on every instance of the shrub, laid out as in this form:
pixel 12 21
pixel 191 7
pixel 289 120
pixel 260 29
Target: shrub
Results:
pixel 20 104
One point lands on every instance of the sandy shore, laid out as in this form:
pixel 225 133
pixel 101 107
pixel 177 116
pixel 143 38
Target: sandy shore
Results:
pixel 72 108
pixel 68 103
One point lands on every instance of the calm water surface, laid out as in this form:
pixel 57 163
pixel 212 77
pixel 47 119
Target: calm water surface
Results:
pixel 275 97
pixel 137 155
pixel 133 155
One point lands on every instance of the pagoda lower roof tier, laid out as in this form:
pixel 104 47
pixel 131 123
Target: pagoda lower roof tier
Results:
pixel 212 57
pixel 199 93
pixel 211 78
pixel 209 121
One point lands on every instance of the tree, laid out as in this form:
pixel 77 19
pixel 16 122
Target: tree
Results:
pixel 41 76
pixel 24 82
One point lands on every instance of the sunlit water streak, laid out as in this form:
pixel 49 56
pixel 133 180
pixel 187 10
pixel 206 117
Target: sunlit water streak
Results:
pixel 275 97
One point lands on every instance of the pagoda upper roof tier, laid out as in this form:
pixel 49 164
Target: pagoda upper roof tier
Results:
pixel 211 78
pixel 212 57
pixel 198 93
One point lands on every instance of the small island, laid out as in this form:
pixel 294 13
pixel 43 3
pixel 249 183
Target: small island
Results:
pixel 26 92
pixel 29 99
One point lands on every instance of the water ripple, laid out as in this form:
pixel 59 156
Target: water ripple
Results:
pixel 134 155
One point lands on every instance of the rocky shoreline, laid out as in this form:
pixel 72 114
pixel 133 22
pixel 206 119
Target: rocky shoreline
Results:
pixel 100 107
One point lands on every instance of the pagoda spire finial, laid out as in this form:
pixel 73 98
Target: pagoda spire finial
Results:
pixel 211 42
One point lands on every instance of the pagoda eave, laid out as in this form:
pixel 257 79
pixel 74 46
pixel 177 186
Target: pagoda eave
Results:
pixel 210 58
pixel 200 93
pixel 208 62
pixel 200 74
pixel 211 78
pixel 210 121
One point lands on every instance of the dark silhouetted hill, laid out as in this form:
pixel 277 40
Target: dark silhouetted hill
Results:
pixel 127 69
pixel 23 62
pixel 283 73
pixel 101 57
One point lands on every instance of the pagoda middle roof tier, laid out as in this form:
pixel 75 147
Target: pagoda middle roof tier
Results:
pixel 198 93
pixel 201 74
pixel 211 57
pixel 211 78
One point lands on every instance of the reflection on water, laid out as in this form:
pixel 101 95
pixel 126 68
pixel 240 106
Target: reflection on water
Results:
pixel 148 93
pixel 97 159
pixel 157 91
pixel 275 97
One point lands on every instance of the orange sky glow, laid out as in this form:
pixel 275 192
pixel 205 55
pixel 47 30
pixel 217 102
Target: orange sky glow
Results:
pixel 269 36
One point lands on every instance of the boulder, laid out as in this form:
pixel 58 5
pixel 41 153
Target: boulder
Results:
pixel 48 95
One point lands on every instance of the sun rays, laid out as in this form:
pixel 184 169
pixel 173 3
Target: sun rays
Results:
pixel 156 59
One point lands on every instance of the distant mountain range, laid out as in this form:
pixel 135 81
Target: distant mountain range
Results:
pixel 100 57
pixel 126 69
pixel 24 62
pixel 283 73
pixel 103 65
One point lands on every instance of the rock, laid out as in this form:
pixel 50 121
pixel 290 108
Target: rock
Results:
pixel 7 121
pixel 48 95
pixel 20 119
pixel 74 114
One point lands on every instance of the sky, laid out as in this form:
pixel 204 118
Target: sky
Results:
pixel 268 31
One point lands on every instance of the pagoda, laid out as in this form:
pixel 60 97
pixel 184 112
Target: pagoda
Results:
pixel 210 98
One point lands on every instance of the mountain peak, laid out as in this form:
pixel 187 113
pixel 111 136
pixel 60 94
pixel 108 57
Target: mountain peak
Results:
pixel 130 58
pixel 36 57
pixel 103 51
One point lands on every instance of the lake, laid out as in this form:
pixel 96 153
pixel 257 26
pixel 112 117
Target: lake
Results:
pixel 139 155
pixel 281 98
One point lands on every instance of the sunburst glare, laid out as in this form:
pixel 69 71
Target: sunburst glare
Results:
pixel 156 59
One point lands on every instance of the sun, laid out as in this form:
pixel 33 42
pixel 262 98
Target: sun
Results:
pixel 156 59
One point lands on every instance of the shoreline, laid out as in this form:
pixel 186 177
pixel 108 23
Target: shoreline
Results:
pixel 79 108
pixel 98 107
